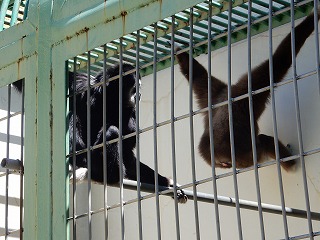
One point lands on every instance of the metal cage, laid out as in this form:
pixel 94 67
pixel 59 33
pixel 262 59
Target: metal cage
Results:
pixel 47 43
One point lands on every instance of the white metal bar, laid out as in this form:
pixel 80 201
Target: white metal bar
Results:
pixel 138 133
pixel 298 121
pixel 233 156
pixel 74 137
pixel 22 160
pixel 252 126
pixel 274 121
pixel 121 139
pixel 155 128
pixel 209 198
pixel 223 200
pixel 211 128
pixel 190 115
pixel 173 139
pixel 104 127
pixel 89 146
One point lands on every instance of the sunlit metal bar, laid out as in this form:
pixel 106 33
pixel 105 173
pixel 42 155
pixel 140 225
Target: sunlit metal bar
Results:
pixel 104 138
pixel 10 116
pixel 303 236
pixel 173 139
pixel 121 141
pixel 155 149
pixel 3 10
pixel 89 143
pixel 233 156
pixel 193 165
pixel 223 200
pixel 74 185
pixel 209 198
pixel 252 127
pixel 274 123
pixel 210 112
pixel 15 11
pixel 22 159
pixel 138 133
pixel 298 122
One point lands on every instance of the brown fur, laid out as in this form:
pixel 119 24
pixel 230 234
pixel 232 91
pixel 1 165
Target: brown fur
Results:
pixel 282 61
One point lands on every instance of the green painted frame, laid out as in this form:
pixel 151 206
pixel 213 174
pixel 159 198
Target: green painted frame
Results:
pixel 37 50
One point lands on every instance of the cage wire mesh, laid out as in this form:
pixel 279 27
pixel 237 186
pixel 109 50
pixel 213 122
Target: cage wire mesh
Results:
pixel 259 200
pixel 11 169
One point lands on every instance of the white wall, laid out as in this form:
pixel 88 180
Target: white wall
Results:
pixel 14 153
pixel 292 182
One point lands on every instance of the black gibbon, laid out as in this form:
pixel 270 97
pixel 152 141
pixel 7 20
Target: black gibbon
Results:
pixel 282 61
pixel 147 175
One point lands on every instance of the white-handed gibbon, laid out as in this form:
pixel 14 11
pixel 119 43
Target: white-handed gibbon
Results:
pixel 282 61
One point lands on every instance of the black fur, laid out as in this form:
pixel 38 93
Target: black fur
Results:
pixel 282 61
pixel 147 175
pixel 112 126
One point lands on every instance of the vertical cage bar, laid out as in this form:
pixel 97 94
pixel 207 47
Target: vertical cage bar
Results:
pixel 15 11
pixel 274 122
pixel 155 55
pixel 22 159
pixel 173 139
pixel 104 126
pixel 89 145
pixel 121 137
pixel 252 127
pixel 138 133
pixel 74 156
pixel 7 170
pixel 233 157
pixel 3 10
pixel 298 121
pixel 211 129
pixel 316 38
pixel 191 124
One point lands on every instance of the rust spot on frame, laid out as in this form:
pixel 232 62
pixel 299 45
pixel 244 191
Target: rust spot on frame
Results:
pixel 123 15
pixel 84 30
